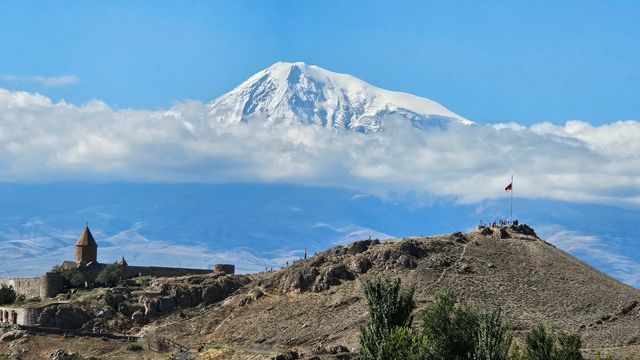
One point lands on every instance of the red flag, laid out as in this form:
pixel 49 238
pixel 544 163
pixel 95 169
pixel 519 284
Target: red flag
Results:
pixel 509 187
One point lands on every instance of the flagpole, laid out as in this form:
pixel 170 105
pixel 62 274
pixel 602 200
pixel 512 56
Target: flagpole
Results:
pixel 511 210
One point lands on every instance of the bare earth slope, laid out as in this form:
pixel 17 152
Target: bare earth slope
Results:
pixel 529 279
pixel 317 303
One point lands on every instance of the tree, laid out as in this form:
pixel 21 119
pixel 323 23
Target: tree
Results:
pixel 73 278
pixel 539 343
pixel 388 305
pixel 8 294
pixel 542 343
pixel 493 338
pixel 110 275
pixel 403 343
pixel 449 331
pixel 388 335
pixel 568 347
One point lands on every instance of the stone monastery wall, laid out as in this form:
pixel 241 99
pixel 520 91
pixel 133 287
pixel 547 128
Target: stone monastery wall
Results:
pixel 47 285
pixel 28 286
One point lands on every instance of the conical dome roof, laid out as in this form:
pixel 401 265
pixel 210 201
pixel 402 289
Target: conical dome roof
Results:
pixel 86 238
pixel 122 262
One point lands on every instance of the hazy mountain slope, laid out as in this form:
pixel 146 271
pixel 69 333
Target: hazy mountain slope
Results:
pixel 255 226
pixel 308 94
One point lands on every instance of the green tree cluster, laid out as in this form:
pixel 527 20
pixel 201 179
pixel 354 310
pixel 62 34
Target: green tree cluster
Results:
pixel 8 294
pixel 449 331
pixel 73 278
pixel 389 334
pixel 543 343
pixel 110 275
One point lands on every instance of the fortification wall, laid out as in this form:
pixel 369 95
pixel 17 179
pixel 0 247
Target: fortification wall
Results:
pixel 29 287
pixel 133 271
pixel 51 284
pixel 91 273
pixel 225 268
pixel 48 285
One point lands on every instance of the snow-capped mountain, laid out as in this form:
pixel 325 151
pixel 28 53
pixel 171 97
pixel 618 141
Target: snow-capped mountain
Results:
pixel 299 93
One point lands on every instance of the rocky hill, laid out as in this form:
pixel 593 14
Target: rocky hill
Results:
pixel 315 306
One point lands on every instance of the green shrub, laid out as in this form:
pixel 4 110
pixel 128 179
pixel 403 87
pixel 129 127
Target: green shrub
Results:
pixel 449 331
pixel 568 347
pixel 110 275
pixel 539 343
pixel 603 357
pixel 388 335
pixel 493 338
pixel 542 343
pixel 401 343
pixel 134 347
pixel 7 294
pixel 73 278
pixel 516 352
pixel 389 306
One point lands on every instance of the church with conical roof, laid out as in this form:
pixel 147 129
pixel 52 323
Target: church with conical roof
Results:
pixel 86 249
pixel 86 263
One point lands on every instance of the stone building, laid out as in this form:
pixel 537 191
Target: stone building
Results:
pixel 86 261
pixel 86 248
pixel 86 251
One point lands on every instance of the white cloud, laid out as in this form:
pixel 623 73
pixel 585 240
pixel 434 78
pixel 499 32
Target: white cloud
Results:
pixel 50 81
pixel 350 233
pixel 42 141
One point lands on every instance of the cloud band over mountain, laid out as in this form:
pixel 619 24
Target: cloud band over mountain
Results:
pixel 41 140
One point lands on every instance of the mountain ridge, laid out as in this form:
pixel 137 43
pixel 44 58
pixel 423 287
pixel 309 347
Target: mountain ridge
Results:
pixel 308 94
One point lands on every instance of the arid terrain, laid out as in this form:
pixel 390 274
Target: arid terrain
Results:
pixel 315 306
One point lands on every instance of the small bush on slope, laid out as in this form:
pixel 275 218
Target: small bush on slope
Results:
pixel 463 332
pixel 73 278
pixel 388 335
pixel 450 331
pixel 542 343
pixel 7 294
pixel 493 338
pixel 135 347
pixel 110 275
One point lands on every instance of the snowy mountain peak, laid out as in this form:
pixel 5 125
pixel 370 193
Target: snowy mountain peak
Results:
pixel 300 93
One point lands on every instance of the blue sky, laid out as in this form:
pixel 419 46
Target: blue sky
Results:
pixel 537 65
pixel 490 61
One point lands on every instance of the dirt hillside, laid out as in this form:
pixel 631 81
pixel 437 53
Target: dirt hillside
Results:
pixel 315 306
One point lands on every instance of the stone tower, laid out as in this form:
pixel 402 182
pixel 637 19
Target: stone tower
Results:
pixel 86 249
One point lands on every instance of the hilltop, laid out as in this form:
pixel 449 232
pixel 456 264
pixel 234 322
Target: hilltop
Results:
pixel 315 306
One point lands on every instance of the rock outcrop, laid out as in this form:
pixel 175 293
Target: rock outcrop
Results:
pixel 64 316
pixel 12 335
pixel 168 295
